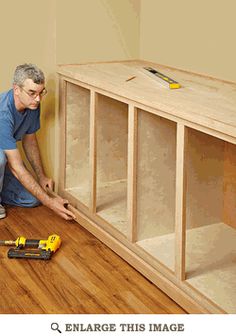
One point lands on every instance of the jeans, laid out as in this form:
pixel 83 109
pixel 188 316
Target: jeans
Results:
pixel 12 192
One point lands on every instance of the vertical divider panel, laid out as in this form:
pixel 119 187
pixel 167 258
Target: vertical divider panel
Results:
pixel 229 198
pixel 93 152
pixel 180 211
pixel 132 174
pixel 62 137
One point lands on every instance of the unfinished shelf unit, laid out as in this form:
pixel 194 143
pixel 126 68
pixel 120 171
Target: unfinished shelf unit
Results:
pixel 152 173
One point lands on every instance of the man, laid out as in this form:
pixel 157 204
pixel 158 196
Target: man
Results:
pixel 19 121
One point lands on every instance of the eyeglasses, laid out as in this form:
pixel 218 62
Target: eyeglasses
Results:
pixel 34 95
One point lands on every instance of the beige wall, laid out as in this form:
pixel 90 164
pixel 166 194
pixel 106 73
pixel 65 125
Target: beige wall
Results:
pixel 97 30
pixel 197 35
pixel 27 35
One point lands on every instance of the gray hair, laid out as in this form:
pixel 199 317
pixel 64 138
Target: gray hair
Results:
pixel 28 71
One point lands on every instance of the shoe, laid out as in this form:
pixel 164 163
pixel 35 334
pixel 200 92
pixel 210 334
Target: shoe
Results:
pixel 2 212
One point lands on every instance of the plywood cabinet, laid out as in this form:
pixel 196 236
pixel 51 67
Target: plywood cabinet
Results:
pixel 152 173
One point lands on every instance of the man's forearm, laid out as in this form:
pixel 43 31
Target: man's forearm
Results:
pixel 32 152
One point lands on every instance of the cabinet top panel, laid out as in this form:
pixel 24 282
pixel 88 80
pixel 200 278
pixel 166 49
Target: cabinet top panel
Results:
pixel 203 100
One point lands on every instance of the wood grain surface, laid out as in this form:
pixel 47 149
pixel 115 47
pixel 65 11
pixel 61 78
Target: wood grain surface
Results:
pixel 84 276
pixel 203 100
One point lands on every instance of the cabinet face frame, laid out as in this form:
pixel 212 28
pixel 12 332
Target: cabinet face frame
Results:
pixel 178 276
pixel 180 215
pixel 62 138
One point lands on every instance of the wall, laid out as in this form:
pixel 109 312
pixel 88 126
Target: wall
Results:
pixel 192 35
pixel 97 30
pixel 28 35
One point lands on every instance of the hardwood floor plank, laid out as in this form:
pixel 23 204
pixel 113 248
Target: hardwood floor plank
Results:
pixel 83 277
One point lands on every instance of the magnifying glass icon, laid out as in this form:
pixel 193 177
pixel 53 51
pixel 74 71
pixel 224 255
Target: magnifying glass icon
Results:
pixel 55 327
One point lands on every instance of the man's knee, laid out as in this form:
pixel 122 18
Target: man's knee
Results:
pixel 3 159
pixel 30 202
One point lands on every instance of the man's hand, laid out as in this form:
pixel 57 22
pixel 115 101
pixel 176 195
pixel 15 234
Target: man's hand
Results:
pixel 18 169
pixel 58 205
pixel 46 182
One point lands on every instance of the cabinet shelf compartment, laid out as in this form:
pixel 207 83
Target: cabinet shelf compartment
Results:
pixel 156 179
pixel 112 144
pixel 77 142
pixel 211 218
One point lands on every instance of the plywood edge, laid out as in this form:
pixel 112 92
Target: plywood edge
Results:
pixel 61 122
pixel 93 151
pixel 180 218
pixel 132 174
pixel 229 203
pixel 59 65
pixel 56 170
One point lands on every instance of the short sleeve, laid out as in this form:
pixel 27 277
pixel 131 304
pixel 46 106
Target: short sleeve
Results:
pixel 34 122
pixel 7 140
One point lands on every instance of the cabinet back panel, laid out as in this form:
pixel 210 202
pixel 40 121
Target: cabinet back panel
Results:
pixel 77 136
pixel 112 139
pixel 155 175
pixel 205 164
pixel 112 151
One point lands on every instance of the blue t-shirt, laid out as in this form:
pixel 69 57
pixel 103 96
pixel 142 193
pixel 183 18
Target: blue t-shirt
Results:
pixel 14 124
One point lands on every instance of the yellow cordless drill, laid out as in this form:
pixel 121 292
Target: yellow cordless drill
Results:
pixel 37 249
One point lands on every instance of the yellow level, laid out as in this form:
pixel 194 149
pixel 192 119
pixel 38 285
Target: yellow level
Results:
pixel 163 79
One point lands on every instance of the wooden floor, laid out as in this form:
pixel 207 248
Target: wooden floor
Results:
pixel 83 277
